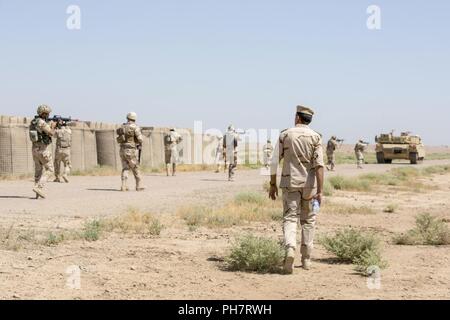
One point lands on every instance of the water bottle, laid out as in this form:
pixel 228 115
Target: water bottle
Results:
pixel 315 206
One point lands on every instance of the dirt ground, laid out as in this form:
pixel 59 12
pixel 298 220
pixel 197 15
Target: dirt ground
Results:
pixel 184 264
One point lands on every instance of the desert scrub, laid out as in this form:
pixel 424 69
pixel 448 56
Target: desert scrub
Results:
pixel 349 183
pixel 134 221
pixel 328 189
pixel 250 197
pixel 341 208
pixel 356 247
pixel 429 230
pixel 408 177
pixel 54 239
pixel 255 254
pixel 92 230
pixel 245 208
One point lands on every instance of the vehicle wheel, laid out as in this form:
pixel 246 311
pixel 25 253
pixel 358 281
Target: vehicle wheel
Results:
pixel 388 161
pixel 380 157
pixel 413 157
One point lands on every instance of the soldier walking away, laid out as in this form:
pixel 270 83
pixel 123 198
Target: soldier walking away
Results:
pixel 130 140
pixel 332 145
pixel 360 147
pixel 230 147
pixel 171 141
pixel 301 184
pixel 41 132
pixel 219 155
pixel 268 153
pixel 62 152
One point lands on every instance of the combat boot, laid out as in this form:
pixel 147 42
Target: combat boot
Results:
pixel 66 180
pixel 39 192
pixel 289 261
pixel 139 186
pixel 124 186
pixel 57 180
pixel 174 170
pixel 306 264
pixel 167 170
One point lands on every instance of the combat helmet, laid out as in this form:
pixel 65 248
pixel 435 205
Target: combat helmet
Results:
pixel 132 116
pixel 43 109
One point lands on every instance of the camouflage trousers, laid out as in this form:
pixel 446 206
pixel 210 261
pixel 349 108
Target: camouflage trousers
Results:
pixel 171 155
pixel 232 166
pixel 297 211
pixel 129 157
pixel 62 155
pixel 359 158
pixel 331 160
pixel 43 164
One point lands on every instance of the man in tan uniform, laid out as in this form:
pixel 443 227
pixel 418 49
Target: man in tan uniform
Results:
pixel 268 153
pixel 230 150
pixel 130 140
pixel 171 141
pixel 360 147
pixel 62 152
pixel 301 182
pixel 332 145
pixel 41 134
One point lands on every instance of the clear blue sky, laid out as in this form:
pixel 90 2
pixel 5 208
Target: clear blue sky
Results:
pixel 246 62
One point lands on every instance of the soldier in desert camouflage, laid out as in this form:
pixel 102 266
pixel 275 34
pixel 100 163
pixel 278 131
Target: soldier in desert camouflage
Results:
pixel 230 150
pixel 332 145
pixel 360 147
pixel 62 152
pixel 130 140
pixel 171 142
pixel 301 181
pixel 41 133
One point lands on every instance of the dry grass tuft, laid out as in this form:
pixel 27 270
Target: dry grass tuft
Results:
pixel 247 207
pixel 429 230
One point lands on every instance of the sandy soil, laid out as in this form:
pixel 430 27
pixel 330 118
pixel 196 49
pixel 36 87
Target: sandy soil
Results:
pixel 183 264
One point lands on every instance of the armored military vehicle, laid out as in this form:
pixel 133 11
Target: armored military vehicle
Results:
pixel 406 147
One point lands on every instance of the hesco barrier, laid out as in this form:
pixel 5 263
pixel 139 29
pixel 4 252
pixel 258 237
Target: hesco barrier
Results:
pixel 84 147
pixel 15 150
pixel 94 143
pixel 153 147
pixel 108 148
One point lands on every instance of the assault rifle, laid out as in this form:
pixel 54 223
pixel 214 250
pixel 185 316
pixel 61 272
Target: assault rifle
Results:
pixel 60 119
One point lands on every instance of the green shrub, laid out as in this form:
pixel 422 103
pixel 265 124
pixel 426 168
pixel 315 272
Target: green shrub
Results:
pixel 91 231
pixel 429 230
pixel 256 254
pixel 353 246
pixel 349 183
pixel 54 239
